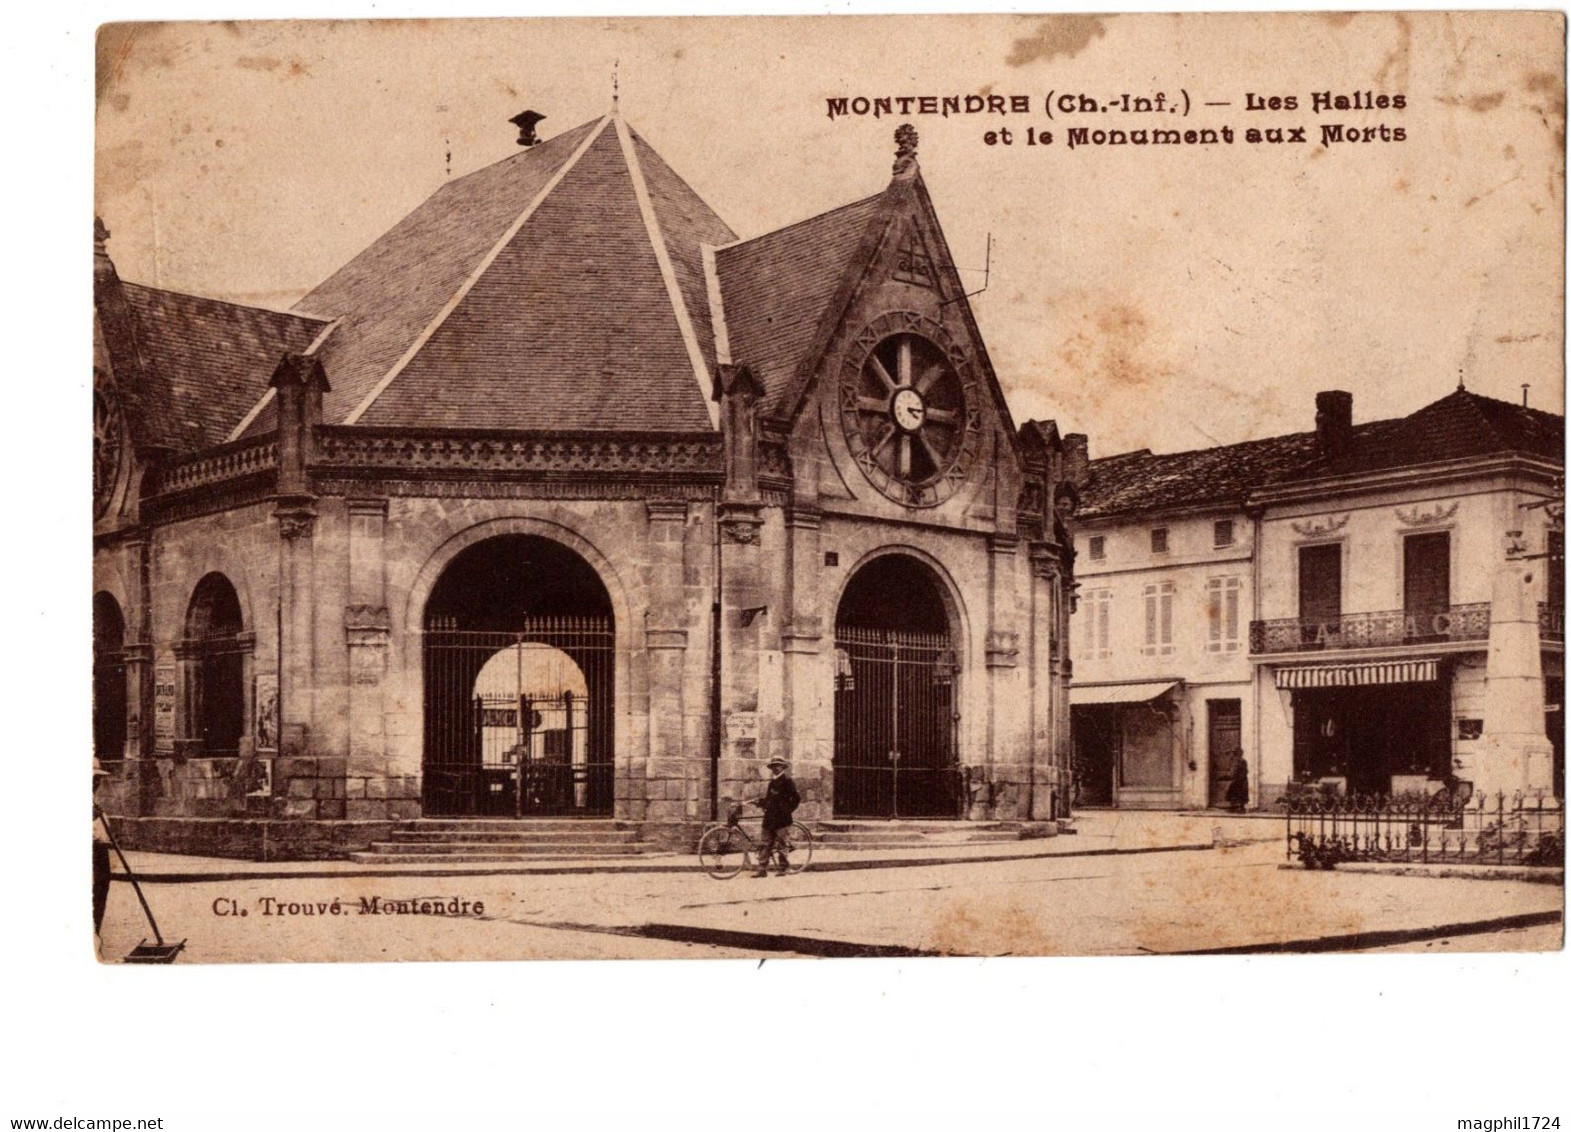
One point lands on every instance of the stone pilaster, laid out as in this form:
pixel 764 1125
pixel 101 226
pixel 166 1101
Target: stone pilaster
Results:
pixel 367 635
pixel 809 718
pixel 743 608
pixel 670 788
pixel 1047 713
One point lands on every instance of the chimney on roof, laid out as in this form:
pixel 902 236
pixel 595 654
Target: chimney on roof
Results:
pixel 1077 458
pixel 1334 421
pixel 526 123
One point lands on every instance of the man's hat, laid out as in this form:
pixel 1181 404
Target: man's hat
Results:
pixel 777 761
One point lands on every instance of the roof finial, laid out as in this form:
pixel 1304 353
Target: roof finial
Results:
pixel 905 148
pixel 1461 380
pixel 100 236
pixel 1526 385
pixel 616 86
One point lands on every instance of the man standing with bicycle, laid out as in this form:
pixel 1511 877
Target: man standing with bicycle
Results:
pixel 779 802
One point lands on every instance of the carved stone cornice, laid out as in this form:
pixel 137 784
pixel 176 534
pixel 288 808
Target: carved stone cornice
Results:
pixel 364 617
pixel 665 639
pixel 367 508
pixel 804 518
pixel 667 510
pixel 458 488
pixel 803 634
pixel 1003 648
pixel 515 455
pixel 1002 543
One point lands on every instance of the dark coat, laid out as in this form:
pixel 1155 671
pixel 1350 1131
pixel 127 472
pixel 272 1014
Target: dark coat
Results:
pixel 1238 788
pixel 780 802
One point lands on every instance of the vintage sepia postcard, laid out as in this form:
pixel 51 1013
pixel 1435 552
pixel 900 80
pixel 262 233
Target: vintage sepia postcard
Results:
pixel 857 486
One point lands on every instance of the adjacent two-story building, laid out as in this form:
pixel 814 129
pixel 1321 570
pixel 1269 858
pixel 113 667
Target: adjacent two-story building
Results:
pixel 1319 601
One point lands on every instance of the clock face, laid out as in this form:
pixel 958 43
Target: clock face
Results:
pixel 908 409
pixel 107 446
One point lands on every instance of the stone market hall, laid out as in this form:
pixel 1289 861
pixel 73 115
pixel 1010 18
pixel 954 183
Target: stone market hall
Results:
pixel 562 501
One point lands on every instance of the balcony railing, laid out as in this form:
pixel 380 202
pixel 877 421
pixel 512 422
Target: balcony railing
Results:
pixel 1372 630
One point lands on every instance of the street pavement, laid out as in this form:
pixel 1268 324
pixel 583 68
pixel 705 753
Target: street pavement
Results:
pixel 1125 884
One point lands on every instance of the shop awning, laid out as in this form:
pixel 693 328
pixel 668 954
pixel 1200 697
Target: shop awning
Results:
pixel 1085 695
pixel 1355 675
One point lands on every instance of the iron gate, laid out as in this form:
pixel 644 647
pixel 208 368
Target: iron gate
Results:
pixel 519 723
pixel 895 748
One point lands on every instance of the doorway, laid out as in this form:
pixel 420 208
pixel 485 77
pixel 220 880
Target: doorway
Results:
pixel 895 696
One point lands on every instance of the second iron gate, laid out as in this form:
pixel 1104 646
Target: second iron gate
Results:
pixel 895 748
pixel 519 723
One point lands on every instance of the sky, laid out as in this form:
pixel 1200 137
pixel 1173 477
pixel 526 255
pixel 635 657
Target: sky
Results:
pixel 1164 297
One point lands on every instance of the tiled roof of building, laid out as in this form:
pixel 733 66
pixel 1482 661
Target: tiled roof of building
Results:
pixel 1457 426
pixel 777 288
pixel 213 358
pixel 1462 424
pixel 560 288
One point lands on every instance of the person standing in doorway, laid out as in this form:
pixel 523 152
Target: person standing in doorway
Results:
pixel 779 802
pixel 1238 788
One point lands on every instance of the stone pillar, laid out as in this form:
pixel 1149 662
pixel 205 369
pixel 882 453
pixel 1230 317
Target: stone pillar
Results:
pixel 810 738
pixel 141 774
pixel 1514 754
pixel 300 383
pixel 1043 656
pixel 672 788
pixel 998 789
pixel 741 611
pixel 372 786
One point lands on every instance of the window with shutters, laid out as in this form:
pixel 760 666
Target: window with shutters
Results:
pixel 1159 619
pixel 1096 635
pixel 1222 533
pixel 1097 547
pixel 1222 616
pixel 1158 540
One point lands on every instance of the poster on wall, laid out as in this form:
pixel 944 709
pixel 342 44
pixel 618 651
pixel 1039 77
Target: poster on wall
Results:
pixel 164 681
pixel 266 701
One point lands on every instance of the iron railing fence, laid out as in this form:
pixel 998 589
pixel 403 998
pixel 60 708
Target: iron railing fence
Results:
pixel 895 725
pixel 519 722
pixel 1500 828
pixel 1371 630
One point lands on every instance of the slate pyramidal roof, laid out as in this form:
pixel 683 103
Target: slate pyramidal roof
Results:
pixel 1460 425
pixel 577 285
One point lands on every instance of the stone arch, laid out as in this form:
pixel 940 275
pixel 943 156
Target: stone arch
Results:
pixel 949 590
pixel 607 734
pixel 214 655
pixel 898 683
pixel 110 699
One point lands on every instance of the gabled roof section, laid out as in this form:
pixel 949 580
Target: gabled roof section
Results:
pixel 212 359
pixel 562 288
pixel 1458 426
pixel 778 289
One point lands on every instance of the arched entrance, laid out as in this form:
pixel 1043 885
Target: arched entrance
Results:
pixel 215 667
pixel 895 674
pixel 518 679
pixel 109 696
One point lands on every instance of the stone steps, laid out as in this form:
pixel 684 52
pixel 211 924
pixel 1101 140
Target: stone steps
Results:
pixel 499 840
pixel 516 836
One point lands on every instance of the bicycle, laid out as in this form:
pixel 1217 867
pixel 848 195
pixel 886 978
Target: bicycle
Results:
pixel 725 850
